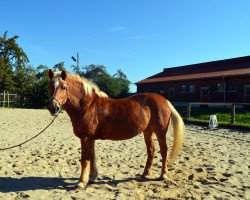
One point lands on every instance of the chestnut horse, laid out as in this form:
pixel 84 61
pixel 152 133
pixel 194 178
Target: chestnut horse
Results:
pixel 96 116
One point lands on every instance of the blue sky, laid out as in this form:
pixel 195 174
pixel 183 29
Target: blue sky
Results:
pixel 140 37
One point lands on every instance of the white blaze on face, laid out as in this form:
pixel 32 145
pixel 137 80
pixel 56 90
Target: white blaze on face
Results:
pixel 56 84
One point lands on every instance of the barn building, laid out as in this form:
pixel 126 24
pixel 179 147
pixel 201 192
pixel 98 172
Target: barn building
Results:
pixel 217 81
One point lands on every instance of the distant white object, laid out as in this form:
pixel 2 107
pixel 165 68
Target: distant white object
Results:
pixel 213 123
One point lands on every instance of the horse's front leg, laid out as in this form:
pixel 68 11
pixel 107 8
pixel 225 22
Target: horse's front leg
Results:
pixel 87 145
pixel 93 169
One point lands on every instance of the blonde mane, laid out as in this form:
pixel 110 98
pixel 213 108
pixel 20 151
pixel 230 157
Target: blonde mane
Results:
pixel 90 87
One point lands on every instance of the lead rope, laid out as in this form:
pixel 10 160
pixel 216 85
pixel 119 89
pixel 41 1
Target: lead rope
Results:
pixel 19 145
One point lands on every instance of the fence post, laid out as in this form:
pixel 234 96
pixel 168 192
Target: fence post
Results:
pixel 188 110
pixel 233 114
pixel 8 99
pixel 3 98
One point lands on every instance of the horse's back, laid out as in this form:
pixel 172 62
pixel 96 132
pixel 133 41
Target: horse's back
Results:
pixel 141 100
pixel 149 97
pixel 152 100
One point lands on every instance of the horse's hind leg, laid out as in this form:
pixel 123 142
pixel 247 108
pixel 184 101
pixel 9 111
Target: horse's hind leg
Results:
pixel 148 137
pixel 163 149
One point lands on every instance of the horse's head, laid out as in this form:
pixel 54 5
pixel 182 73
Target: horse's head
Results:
pixel 58 91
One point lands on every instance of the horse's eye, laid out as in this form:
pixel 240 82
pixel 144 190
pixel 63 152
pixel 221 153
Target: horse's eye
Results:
pixel 64 87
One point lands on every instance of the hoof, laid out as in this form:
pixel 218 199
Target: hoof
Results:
pixel 163 177
pixel 145 176
pixel 93 177
pixel 80 186
pixel 78 189
pixel 91 180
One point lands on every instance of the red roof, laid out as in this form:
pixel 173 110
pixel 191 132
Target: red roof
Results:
pixel 221 68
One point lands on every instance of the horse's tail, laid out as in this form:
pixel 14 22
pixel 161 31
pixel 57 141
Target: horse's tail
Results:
pixel 178 128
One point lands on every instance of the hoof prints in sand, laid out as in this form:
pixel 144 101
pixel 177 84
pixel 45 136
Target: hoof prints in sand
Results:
pixel 48 167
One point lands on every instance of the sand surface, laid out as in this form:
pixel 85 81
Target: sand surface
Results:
pixel 214 164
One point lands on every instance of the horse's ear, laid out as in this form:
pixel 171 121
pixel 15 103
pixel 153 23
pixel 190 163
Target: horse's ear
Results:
pixel 51 74
pixel 64 74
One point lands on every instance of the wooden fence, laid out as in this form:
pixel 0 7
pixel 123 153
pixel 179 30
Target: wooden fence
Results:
pixel 232 105
pixel 6 98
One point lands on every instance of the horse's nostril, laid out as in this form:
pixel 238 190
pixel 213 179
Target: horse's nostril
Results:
pixel 57 109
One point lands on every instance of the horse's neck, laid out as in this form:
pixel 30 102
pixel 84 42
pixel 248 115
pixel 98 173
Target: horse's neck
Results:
pixel 75 95
pixel 75 105
pixel 79 114
pixel 78 101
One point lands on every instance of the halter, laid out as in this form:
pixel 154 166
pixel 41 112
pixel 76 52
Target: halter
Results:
pixel 64 101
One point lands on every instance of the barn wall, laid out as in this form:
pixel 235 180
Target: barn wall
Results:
pixel 235 89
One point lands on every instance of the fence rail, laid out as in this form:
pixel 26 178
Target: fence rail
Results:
pixel 6 98
pixel 232 105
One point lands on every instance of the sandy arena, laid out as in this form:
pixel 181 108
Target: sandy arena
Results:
pixel 213 164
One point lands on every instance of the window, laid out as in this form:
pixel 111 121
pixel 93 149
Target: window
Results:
pixel 220 87
pixel 183 88
pixel 192 88
pixel 247 90
pixel 232 87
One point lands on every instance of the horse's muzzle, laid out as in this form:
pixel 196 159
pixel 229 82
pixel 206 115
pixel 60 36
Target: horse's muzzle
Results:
pixel 53 109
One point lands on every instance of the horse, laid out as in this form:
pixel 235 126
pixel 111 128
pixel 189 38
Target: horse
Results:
pixel 95 116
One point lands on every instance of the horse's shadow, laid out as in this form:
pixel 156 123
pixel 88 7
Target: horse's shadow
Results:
pixel 8 184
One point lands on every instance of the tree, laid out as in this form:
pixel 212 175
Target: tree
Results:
pixel 16 76
pixel 76 69
pixel 116 86
pixel 12 64
pixel 11 52
pixel 59 66
pixel 123 83
pixel 110 85
pixel 37 93
pixel 6 76
pixel 23 79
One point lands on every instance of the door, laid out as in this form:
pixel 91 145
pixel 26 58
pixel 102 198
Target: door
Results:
pixel 204 94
